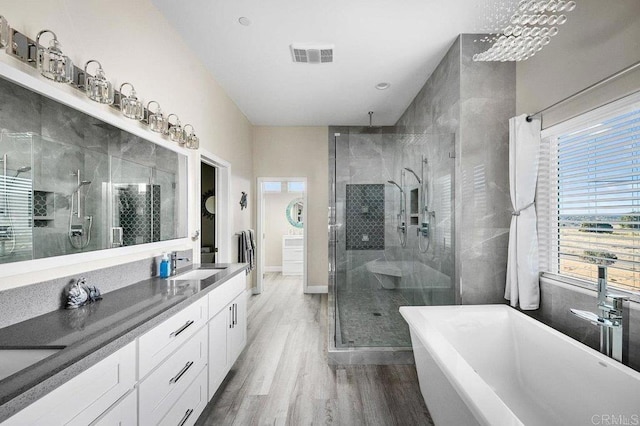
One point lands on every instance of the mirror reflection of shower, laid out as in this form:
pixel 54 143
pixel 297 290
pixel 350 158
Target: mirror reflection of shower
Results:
pixel 402 213
pixel 79 225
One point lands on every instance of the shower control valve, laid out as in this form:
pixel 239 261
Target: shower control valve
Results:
pixel 423 230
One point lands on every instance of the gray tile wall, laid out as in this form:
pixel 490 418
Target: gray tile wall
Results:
pixel 473 101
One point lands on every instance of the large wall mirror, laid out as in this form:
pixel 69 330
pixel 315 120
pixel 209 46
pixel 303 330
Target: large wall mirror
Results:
pixel 71 183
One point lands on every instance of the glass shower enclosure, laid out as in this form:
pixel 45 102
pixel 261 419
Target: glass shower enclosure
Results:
pixel 391 238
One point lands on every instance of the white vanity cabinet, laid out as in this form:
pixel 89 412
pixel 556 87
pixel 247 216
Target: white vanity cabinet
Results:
pixel 227 329
pixel 83 399
pixel 292 254
pixel 180 362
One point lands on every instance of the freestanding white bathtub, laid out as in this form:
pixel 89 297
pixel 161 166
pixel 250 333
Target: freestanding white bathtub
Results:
pixel 493 365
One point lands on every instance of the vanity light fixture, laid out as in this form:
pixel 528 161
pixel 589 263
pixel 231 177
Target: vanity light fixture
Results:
pixel 175 131
pixel 97 87
pixel 4 32
pixel 131 106
pixel 191 141
pixel 51 62
pixel 157 121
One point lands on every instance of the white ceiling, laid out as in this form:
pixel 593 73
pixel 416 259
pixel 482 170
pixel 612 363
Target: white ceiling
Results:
pixel 399 42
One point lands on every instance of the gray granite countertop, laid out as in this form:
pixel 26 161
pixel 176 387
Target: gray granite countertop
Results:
pixel 93 332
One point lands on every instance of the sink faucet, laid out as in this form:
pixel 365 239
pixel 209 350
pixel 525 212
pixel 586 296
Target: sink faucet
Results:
pixel 611 319
pixel 174 261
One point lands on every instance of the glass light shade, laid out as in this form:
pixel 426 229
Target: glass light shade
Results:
pixel 97 87
pixel 51 62
pixel 131 106
pixel 175 131
pixel 191 140
pixel 157 121
pixel 4 32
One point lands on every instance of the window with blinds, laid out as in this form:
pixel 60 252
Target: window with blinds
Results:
pixel 590 203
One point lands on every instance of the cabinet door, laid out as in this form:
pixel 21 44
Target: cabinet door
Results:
pixel 238 332
pixel 219 327
pixel 123 413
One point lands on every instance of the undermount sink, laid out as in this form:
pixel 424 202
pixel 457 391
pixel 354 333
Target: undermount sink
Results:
pixel 14 360
pixel 196 274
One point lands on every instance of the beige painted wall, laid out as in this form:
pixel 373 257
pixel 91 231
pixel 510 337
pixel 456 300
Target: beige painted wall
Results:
pixel 599 39
pixel 275 205
pixel 300 152
pixel 134 43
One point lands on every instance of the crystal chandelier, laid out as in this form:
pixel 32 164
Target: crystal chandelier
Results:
pixel 519 35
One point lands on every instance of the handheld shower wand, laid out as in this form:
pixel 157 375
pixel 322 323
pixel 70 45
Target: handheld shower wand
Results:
pixel 402 222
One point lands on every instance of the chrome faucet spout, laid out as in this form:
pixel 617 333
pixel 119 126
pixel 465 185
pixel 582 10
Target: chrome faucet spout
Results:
pixel 610 319
pixel 174 261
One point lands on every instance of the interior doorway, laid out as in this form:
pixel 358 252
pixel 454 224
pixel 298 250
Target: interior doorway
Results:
pixel 209 216
pixel 212 217
pixel 282 228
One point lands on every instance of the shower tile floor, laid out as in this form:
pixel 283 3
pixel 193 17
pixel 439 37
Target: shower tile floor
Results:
pixel 371 318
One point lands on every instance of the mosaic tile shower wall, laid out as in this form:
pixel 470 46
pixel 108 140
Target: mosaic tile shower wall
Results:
pixel 365 217
pixel 135 213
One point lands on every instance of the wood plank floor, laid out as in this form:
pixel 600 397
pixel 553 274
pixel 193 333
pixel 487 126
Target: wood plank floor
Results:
pixel 282 376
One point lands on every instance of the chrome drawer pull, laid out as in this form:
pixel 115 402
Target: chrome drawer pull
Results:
pixel 181 372
pixel 181 329
pixel 185 417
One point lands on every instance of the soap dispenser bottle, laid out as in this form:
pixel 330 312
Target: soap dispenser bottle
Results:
pixel 165 266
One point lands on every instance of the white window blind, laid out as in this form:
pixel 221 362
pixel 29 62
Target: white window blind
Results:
pixel 589 198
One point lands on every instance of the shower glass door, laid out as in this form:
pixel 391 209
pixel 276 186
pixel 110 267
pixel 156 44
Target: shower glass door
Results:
pixel 392 209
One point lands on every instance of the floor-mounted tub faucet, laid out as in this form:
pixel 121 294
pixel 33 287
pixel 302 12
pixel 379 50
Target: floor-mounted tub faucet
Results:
pixel 174 261
pixel 611 319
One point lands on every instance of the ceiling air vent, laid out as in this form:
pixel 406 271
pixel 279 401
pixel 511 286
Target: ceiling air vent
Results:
pixel 312 54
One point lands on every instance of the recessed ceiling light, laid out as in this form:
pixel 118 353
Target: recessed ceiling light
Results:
pixel 382 86
pixel 244 21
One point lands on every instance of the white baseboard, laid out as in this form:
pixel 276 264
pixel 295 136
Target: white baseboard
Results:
pixel 273 268
pixel 317 289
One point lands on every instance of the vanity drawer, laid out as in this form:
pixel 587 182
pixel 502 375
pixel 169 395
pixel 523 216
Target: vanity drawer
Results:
pixel 294 267
pixel 292 254
pixel 188 408
pixel 158 343
pixel 84 398
pixel 163 387
pixel 220 297
pixel 123 413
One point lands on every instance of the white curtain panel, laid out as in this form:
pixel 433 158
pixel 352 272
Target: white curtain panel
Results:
pixel 523 287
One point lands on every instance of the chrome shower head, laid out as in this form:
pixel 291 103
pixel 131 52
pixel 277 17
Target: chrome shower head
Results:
pixel 23 169
pixel 414 173
pixel 392 182
pixel 83 183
